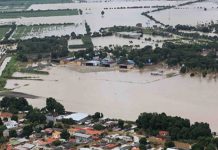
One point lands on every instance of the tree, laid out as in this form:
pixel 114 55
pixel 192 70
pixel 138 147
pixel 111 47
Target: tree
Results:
pixel 12 133
pixel 2 128
pixel 65 135
pixel 80 11
pixel 102 13
pixel 97 116
pixel 73 35
pixel 54 107
pixel 69 121
pixel 56 143
pixel 27 130
pixel 120 124
pixel 2 140
pixel 14 117
pixel 50 124
pixel 98 127
pixel 1 123
pixel 35 116
pixel 142 143
pixel 169 144
pixel 210 147
pixel 197 147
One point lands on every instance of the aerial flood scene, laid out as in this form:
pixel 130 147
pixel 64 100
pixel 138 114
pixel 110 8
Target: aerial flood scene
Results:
pixel 108 74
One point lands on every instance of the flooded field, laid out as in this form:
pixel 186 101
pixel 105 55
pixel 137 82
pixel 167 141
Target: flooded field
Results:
pixel 198 13
pixel 92 13
pixel 120 41
pixel 107 92
pixel 40 31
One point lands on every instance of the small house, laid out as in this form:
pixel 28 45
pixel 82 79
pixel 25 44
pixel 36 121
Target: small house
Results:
pixel 93 63
pixel 11 124
pixel 129 64
pixel 82 138
pixel 56 134
pixel 108 62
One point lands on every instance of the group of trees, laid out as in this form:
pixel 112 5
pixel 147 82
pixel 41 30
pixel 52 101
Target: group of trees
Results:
pixel 54 107
pixel 36 116
pixel 178 127
pixel 13 104
pixel 206 144
pixel 88 29
pixel 36 48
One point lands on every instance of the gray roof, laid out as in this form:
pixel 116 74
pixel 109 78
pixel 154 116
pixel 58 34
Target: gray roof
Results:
pixel 82 135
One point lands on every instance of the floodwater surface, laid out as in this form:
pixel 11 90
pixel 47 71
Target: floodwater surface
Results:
pixel 125 94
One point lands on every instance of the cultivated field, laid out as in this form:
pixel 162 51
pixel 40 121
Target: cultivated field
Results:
pixel 3 30
pixel 38 13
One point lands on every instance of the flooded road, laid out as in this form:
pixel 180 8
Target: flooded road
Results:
pixel 125 94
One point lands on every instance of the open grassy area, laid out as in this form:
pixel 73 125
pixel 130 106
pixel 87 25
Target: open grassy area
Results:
pixel 3 31
pixel 38 13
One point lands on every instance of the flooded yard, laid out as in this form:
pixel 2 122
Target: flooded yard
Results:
pixel 125 94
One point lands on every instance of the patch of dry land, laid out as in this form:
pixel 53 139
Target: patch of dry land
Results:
pixel 124 94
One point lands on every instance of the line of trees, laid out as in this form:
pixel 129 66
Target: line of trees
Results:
pixel 178 127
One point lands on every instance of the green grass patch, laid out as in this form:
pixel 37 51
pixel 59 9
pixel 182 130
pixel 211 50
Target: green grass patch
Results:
pixel 38 13
pixel 87 41
pixel 7 73
pixel 148 31
pixel 3 31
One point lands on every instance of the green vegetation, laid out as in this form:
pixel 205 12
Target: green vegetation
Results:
pixel 65 135
pixel 36 116
pixel 142 143
pixel 54 107
pixel 13 104
pixel 39 13
pixel 178 128
pixel 87 43
pixel 98 127
pixel 35 49
pixel 3 31
pixel 10 68
pixel 8 34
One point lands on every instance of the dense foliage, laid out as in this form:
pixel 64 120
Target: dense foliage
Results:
pixel 178 128
pixel 53 47
pixel 36 116
pixel 13 104
pixel 54 107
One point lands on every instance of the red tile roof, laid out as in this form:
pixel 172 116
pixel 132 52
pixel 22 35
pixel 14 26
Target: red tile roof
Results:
pixel 5 115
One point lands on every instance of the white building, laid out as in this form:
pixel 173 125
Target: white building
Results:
pixel 11 124
pixel 78 117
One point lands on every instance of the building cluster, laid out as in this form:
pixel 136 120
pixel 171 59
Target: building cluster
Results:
pixel 83 134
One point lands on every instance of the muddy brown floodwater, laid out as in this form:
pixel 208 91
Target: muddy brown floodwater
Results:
pixel 125 94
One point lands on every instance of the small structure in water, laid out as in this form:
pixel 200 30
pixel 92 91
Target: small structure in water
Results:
pixel 92 63
pixel 129 64
pixel 108 62
pixel 133 35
